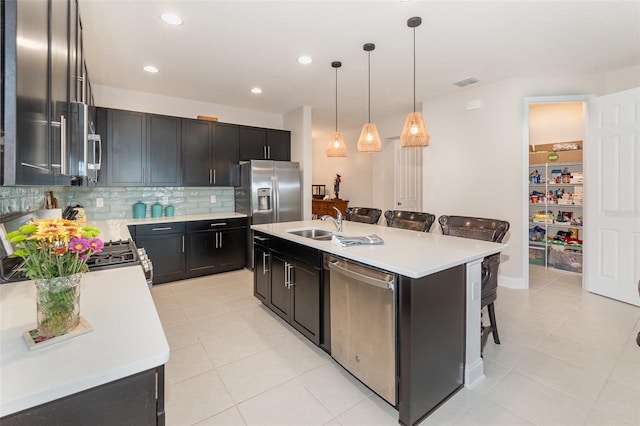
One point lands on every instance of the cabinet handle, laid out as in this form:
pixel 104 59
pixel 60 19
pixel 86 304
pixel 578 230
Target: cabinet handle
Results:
pixel 268 152
pixel 287 276
pixel 216 234
pixel 183 243
pixel 220 233
pixel 265 269
pixel 210 177
pixel 63 145
pixel 255 237
pixel 165 228
pixel 291 277
pixel 264 152
pixel 219 224
pixel 214 176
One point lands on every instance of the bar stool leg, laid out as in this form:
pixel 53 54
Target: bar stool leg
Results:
pixel 494 325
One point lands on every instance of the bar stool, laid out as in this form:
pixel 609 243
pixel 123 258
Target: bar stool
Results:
pixel 492 230
pixel 363 214
pixel 416 221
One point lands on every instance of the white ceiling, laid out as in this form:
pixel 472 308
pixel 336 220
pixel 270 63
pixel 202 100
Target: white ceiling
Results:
pixel 224 48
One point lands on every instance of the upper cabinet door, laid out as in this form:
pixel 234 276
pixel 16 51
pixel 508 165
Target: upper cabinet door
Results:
pixel 59 83
pixel 279 144
pixel 126 148
pixel 196 146
pixel 253 142
pixel 164 151
pixel 32 161
pixel 225 154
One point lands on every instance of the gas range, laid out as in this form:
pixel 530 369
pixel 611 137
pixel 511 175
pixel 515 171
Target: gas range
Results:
pixel 115 254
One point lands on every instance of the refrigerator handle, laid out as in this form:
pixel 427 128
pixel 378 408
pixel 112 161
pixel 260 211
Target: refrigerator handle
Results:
pixel 276 198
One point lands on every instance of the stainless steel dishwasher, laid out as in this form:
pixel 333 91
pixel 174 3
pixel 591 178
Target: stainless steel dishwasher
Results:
pixel 363 331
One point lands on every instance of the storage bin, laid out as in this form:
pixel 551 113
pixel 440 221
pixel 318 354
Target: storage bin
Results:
pixel 536 256
pixel 565 258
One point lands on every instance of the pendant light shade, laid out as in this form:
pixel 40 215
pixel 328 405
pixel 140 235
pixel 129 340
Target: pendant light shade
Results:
pixel 414 133
pixel 369 138
pixel 336 146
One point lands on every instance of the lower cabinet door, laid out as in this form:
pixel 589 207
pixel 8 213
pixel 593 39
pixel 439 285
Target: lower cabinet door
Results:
pixel 280 295
pixel 232 249
pixel 262 274
pixel 167 255
pixel 202 259
pixel 305 309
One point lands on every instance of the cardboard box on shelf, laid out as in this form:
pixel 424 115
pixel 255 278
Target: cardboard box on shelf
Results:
pixel 539 154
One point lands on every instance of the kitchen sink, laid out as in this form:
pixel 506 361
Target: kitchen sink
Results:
pixel 313 233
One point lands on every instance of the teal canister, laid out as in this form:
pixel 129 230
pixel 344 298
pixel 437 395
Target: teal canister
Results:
pixel 168 211
pixel 139 210
pixel 156 210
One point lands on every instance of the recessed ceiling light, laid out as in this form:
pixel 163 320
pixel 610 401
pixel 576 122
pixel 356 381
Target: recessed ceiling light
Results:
pixel 171 18
pixel 256 90
pixel 304 59
pixel 150 68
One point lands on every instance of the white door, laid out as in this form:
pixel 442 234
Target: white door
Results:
pixel 612 196
pixel 408 178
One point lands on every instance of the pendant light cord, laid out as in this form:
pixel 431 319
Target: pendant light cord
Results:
pixel 369 86
pixel 336 99
pixel 414 69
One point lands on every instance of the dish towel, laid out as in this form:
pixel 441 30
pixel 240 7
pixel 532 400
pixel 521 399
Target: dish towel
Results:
pixel 356 241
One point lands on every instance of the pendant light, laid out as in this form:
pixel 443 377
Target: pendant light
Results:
pixel 336 147
pixel 369 138
pixel 414 133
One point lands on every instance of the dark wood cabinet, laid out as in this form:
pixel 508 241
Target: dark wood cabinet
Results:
pixel 279 144
pixel 196 144
pixel 38 88
pixel 165 245
pixel 226 151
pixel 126 147
pixel 143 149
pixel 262 272
pixel 210 152
pixel 180 250
pixel 215 246
pixel 292 284
pixel 163 151
pixel 264 144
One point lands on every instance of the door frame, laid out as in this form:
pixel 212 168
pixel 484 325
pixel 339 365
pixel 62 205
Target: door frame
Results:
pixel 584 99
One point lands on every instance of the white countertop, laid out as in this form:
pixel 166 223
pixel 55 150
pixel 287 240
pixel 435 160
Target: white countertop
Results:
pixel 410 253
pixel 127 338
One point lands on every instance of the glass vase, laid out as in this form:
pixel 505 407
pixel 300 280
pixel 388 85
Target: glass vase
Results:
pixel 58 304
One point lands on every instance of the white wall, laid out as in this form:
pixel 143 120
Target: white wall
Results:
pixel 112 97
pixel 299 122
pixel 476 162
pixel 556 122
pixel 355 169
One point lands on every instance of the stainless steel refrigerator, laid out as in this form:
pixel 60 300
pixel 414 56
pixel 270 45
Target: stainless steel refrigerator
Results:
pixel 269 192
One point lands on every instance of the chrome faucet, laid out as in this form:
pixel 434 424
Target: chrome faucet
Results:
pixel 338 222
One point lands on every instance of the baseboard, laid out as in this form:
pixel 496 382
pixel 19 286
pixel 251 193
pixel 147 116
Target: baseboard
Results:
pixel 512 282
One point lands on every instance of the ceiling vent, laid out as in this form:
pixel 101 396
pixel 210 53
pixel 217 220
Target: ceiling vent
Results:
pixel 466 82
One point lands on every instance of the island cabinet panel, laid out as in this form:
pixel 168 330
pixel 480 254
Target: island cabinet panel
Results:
pixel 165 245
pixel 215 246
pixel 262 269
pixel 431 341
pixel 133 400
pixel 288 279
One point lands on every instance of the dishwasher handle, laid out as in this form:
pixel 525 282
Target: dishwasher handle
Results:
pixel 366 279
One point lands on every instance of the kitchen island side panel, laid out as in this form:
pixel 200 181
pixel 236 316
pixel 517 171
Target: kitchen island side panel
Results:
pixel 431 341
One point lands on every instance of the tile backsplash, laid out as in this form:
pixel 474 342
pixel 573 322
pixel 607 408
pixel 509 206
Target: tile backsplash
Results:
pixel 118 202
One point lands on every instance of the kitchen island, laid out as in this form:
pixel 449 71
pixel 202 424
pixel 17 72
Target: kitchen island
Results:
pixel 109 375
pixel 437 301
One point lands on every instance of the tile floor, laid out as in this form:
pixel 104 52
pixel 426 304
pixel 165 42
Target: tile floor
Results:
pixel 568 357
